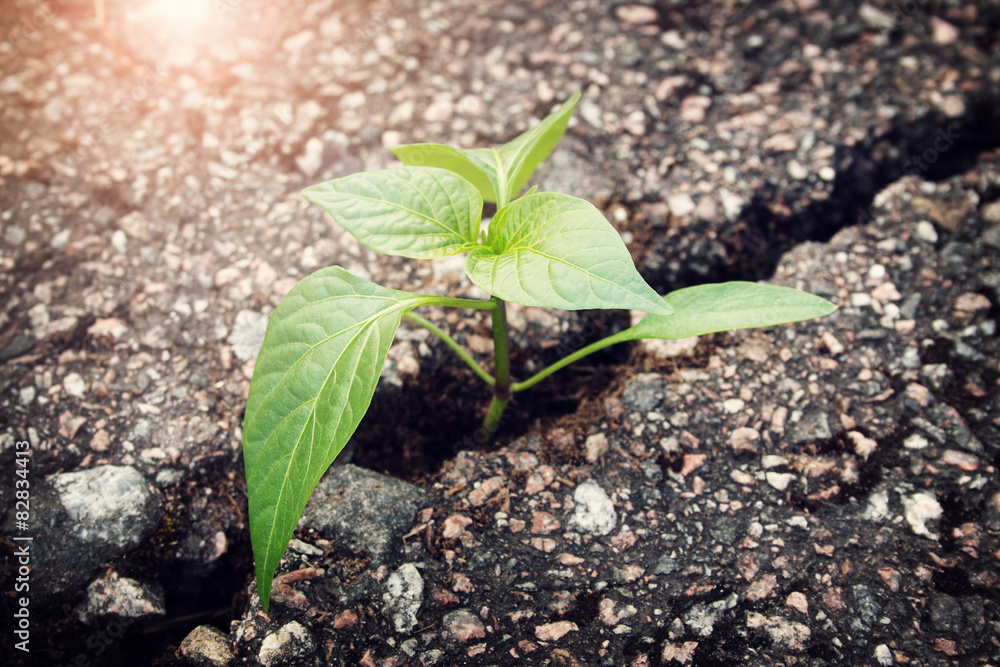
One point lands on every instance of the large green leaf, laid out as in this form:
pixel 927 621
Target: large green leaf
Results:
pixel 498 173
pixel 725 306
pixel 418 212
pixel 313 382
pixel 558 251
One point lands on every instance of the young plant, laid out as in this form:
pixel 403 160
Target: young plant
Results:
pixel 328 339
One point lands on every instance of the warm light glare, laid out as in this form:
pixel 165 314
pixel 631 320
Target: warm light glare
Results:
pixel 181 15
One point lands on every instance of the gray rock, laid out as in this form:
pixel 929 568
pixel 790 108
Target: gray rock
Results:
pixel 463 625
pixel 723 530
pixel 866 610
pixel 666 565
pixel 593 512
pixel 644 392
pixel 20 344
pixel 975 613
pixel 362 509
pixel 121 598
pixel 90 516
pixel 701 618
pixel 285 646
pixel 404 593
pixel 206 646
pixel 946 614
pixel 813 426
pixel 112 505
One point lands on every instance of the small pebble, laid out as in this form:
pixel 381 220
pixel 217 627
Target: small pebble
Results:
pixel 74 385
pixel 779 480
pixel 919 509
pixel 797 171
pixel 636 14
pixel 942 32
pixel 551 632
pixel 925 231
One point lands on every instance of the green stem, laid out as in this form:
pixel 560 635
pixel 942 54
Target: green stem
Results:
pixel 453 344
pixel 501 352
pixel 491 424
pixel 566 361
pixel 501 349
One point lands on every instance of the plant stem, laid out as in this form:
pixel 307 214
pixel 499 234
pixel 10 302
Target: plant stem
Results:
pixel 566 361
pixel 491 424
pixel 501 352
pixel 501 349
pixel 453 344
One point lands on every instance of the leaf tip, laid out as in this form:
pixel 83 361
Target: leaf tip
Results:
pixel 829 307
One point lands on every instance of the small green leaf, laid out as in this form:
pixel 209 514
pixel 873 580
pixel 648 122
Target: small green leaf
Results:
pixel 726 306
pixel 312 383
pixel 502 171
pixel 558 251
pixel 522 156
pixel 418 212
pixel 474 165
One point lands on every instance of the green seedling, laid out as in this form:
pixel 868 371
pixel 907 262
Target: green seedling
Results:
pixel 328 339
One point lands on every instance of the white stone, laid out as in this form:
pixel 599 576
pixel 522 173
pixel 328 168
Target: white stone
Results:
pixel 884 655
pixel 878 506
pixel 593 513
pixel 667 349
pixel 312 159
pixel 74 385
pixel 404 593
pixel 15 235
pixel 875 17
pixel 297 41
pixel 798 521
pixel 733 405
pixel 439 111
pixel 247 334
pixel 119 241
pixel 27 395
pixel 681 205
pixel 779 480
pixel 796 170
pixel 925 231
pixel 354 100
pixel 284 646
pixel 732 204
pixel 772 461
pixel 128 598
pixel 920 508
pixel 673 39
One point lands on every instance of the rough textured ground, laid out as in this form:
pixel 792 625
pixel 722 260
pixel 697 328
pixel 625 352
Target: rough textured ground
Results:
pixel 818 494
